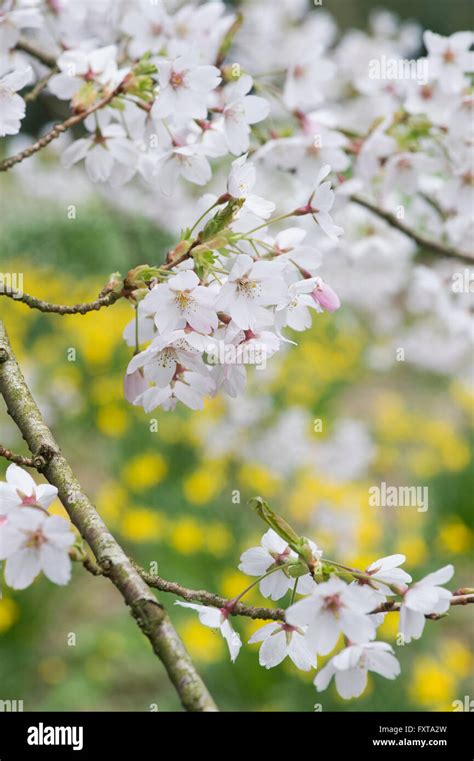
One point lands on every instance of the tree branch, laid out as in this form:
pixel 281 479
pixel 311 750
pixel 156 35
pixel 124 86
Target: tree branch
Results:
pixel 421 240
pixel 18 459
pixel 207 598
pixel 41 55
pixel 58 130
pixel 149 614
pixel 266 614
pixel 45 306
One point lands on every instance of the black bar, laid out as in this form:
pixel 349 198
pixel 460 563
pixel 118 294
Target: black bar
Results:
pixel 332 735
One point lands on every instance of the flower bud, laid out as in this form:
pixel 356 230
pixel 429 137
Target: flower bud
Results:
pixel 324 295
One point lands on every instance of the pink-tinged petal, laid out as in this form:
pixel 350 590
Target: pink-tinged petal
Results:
pixel 134 384
pixel 255 561
pixel 264 632
pixel 55 563
pixel 351 683
pixel 324 676
pixel 20 479
pixel 273 651
pixel 301 654
pixel 324 633
pixel 276 585
pixel 45 495
pixel 22 568
pixel 9 498
pixel 233 640
pixel 442 576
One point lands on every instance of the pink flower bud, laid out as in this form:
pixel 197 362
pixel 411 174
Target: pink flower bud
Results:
pixel 324 295
pixel 134 384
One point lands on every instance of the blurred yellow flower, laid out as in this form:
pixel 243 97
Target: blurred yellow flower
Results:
pixel 259 480
pixel 218 539
pixel 111 499
pixel 456 657
pixel 204 644
pixel 143 525
pixel 203 485
pixel 233 583
pixel 455 537
pixel 112 420
pixel 145 470
pixel 187 536
pixel 432 685
pixel 9 613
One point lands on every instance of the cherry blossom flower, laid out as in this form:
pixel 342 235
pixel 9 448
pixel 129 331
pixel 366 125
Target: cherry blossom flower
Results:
pixel 32 541
pixel 148 26
pixel 250 288
pixel 164 355
pixel 188 387
pixel 422 598
pixel 321 203
pixel 335 608
pixel 184 88
pixel 21 491
pixel 182 301
pixel 280 640
pixel 78 67
pixel 240 184
pixel 306 78
pixel 296 314
pixel 217 618
pixel 350 667
pixel 186 161
pixel 386 571
pixel 13 21
pixel 449 58
pixel 275 552
pixel 239 111
pixel 108 155
pixel 12 105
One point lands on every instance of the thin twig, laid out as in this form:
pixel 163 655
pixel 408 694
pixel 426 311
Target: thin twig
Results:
pixel 26 462
pixel 58 130
pixel 39 86
pixel 148 613
pixel 45 306
pixel 266 614
pixel 421 240
pixel 207 598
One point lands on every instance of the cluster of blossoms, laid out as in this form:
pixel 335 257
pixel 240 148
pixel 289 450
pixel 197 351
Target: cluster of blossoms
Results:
pixel 225 305
pixel 175 90
pixel 329 600
pixel 31 539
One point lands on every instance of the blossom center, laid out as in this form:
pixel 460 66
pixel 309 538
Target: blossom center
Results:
pixel 177 79
pixel 36 539
pixel 333 603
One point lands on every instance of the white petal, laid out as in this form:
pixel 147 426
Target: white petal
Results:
pixel 273 651
pixel 22 568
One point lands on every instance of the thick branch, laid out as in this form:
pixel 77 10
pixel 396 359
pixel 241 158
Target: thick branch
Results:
pixel 44 306
pixel 421 240
pixel 147 611
pixel 57 130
